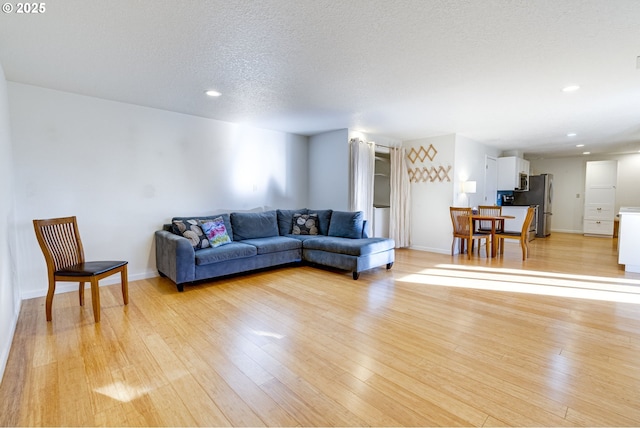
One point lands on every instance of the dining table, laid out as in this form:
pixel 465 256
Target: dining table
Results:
pixel 495 220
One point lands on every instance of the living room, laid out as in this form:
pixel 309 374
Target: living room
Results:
pixel 124 169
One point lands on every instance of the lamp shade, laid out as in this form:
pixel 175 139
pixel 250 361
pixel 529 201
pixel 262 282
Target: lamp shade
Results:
pixel 469 187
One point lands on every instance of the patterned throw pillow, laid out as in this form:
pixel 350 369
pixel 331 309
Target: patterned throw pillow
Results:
pixel 305 224
pixel 216 232
pixel 192 231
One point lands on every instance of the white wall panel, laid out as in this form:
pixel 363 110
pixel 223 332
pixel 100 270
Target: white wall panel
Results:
pixel 124 170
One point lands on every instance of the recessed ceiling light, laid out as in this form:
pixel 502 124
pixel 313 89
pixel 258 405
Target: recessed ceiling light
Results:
pixel 586 153
pixel 213 93
pixel 571 134
pixel 579 145
pixel 570 88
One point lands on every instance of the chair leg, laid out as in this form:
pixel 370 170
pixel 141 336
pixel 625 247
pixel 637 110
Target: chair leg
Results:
pixel 523 244
pixel 81 293
pixel 49 301
pixel 125 284
pixel 486 247
pixel 95 298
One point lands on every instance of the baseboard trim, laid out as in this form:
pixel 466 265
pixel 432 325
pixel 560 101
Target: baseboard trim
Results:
pixel 6 346
pixel 66 287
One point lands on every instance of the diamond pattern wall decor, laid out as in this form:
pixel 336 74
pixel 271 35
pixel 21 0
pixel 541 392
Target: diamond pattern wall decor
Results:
pixel 422 153
pixel 429 173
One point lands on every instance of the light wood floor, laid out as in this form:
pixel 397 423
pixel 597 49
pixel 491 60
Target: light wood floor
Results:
pixel 437 340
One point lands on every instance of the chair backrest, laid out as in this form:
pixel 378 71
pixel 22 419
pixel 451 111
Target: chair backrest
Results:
pixel 488 210
pixel 460 218
pixel 60 242
pixel 527 221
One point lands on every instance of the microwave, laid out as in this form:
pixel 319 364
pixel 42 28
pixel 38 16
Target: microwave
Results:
pixel 523 182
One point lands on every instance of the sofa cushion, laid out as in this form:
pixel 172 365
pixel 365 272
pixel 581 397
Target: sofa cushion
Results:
pixel 216 232
pixel 305 224
pixel 349 246
pixel 324 218
pixel 254 225
pixel 273 244
pixel 346 224
pixel 285 219
pixel 190 229
pixel 233 250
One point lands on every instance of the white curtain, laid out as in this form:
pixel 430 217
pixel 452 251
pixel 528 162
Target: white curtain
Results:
pixel 361 172
pixel 400 215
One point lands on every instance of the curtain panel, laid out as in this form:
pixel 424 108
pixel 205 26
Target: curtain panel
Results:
pixel 400 213
pixel 361 174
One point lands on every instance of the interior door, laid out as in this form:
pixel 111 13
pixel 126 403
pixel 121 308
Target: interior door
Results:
pixel 490 181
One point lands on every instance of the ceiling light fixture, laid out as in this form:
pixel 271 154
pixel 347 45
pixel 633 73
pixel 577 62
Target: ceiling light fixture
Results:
pixel 571 134
pixel 570 88
pixel 579 145
pixel 586 153
pixel 213 93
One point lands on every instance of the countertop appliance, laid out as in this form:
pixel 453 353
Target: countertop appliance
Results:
pixel 540 193
pixel 507 199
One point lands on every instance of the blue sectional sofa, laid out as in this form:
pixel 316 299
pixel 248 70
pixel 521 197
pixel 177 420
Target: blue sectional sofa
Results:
pixel 203 247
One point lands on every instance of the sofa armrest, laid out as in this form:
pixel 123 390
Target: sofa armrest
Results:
pixel 175 257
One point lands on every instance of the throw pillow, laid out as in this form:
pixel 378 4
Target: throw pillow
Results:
pixel 192 231
pixel 216 232
pixel 305 224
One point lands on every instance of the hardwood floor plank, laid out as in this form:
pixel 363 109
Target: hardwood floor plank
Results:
pixel 436 341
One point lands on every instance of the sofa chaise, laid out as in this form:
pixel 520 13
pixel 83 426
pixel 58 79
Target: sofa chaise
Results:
pixel 197 248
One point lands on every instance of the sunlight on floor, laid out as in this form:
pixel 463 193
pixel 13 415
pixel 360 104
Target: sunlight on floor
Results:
pixel 122 392
pixel 532 282
pixel 267 334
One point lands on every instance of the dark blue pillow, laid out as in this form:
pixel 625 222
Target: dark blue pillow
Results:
pixel 254 225
pixel 324 218
pixel 346 224
pixel 285 220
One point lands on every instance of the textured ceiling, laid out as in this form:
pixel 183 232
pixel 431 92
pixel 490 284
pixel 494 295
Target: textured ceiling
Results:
pixel 490 70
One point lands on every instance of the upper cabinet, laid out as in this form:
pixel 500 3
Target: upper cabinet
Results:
pixel 513 173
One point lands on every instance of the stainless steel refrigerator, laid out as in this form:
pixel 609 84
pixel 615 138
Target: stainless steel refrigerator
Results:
pixel 540 193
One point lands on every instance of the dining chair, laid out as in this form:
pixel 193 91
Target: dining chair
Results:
pixel 60 243
pixel 522 236
pixel 463 230
pixel 485 226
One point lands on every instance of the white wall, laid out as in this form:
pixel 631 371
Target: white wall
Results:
pixel 430 200
pixel 124 170
pixel 569 181
pixel 470 159
pixel 9 294
pixel 329 170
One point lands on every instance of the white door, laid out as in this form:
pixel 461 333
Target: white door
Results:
pixel 490 181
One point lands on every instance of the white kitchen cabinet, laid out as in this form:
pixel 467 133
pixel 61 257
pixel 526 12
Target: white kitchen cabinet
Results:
pixel 600 198
pixel 629 239
pixel 598 227
pixel 510 170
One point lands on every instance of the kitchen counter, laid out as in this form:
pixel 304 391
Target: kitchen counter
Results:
pixel 629 239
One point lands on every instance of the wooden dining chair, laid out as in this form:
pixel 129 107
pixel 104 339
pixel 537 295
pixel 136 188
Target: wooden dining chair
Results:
pixel 485 226
pixel 522 236
pixel 60 242
pixel 463 230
